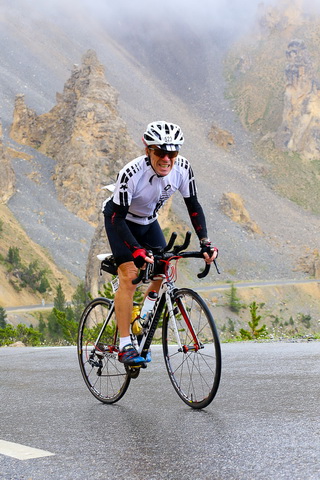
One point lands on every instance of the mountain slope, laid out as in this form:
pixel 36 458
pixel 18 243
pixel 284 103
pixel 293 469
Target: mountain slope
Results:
pixel 178 76
pixel 11 293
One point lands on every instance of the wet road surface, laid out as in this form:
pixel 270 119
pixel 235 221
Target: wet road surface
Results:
pixel 263 423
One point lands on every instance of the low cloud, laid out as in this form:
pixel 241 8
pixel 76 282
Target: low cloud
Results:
pixel 232 16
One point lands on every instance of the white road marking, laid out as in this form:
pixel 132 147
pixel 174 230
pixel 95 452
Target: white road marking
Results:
pixel 21 452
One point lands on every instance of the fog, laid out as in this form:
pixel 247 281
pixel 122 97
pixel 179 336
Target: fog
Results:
pixel 229 17
pixel 42 39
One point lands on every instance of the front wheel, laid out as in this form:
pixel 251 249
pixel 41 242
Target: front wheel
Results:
pixel 98 346
pixel 191 349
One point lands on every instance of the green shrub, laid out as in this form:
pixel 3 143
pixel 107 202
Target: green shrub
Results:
pixel 27 335
pixel 305 319
pixel 254 332
pixel 13 257
pixel 69 327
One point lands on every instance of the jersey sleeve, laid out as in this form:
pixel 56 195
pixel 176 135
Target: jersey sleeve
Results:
pixel 123 191
pixel 196 215
pixel 188 186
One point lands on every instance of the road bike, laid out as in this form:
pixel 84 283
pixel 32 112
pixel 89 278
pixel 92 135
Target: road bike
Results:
pixel 190 340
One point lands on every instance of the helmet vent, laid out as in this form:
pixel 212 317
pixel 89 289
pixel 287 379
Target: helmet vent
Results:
pixel 156 134
pixel 164 134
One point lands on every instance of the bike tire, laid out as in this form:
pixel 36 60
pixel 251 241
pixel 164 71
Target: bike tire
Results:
pixel 194 373
pixel 106 378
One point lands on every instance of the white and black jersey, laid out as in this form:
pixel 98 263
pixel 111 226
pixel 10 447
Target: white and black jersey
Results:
pixel 139 193
pixel 144 192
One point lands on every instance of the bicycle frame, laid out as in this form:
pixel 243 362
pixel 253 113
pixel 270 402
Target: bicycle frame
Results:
pixel 165 294
pixel 190 341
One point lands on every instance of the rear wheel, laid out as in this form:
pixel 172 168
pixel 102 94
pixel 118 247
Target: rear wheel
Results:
pixel 98 346
pixel 191 349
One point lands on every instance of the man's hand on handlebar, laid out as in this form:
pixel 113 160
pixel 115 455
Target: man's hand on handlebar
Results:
pixel 208 251
pixel 141 257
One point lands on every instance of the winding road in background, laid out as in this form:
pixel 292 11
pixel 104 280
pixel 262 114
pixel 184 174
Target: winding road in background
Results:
pixel 225 286
pixel 29 308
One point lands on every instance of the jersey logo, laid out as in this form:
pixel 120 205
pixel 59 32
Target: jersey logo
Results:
pixel 167 187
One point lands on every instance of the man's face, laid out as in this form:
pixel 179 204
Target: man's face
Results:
pixel 162 162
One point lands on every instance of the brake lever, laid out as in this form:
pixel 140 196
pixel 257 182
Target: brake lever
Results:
pixel 217 267
pixel 143 275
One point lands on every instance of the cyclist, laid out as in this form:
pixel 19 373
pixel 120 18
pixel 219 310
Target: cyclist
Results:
pixel 142 187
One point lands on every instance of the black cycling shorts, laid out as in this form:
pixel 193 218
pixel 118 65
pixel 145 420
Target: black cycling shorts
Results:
pixel 148 236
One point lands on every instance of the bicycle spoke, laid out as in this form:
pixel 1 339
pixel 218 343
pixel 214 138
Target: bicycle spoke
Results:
pixel 106 378
pixel 195 368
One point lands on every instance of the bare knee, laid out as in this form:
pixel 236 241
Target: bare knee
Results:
pixel 127 272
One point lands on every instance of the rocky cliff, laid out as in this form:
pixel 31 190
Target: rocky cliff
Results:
pixel 83 132
pixel 86 136
pixel 300 128
pixel 7 177
pixel 274 81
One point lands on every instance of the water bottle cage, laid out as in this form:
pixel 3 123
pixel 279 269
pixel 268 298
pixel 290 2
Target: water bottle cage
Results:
pixel 146 321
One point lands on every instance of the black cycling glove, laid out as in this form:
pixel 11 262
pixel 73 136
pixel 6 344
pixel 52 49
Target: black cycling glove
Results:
pixel 207 247
pixel 139 256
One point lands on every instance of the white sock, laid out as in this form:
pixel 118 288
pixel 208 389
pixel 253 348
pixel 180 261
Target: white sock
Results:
pixel 124 341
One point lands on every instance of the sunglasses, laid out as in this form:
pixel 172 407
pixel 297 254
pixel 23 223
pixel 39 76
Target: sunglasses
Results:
pixel 163 153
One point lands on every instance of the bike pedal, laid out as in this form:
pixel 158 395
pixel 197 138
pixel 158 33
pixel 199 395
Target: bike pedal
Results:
pixel 142 365
pixel 134 371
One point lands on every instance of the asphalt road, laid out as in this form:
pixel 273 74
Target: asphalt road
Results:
pixel 263 423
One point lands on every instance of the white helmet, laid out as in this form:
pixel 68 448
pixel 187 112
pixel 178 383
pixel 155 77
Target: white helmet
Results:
pixel 165 135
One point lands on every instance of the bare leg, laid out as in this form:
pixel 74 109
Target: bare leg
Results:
pixel 123 301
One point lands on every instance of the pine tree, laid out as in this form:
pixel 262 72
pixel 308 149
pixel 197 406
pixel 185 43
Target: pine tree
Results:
pixel 255 319
pixel 14 256
pixel 79 300
pixel 69 327
pixel 59 300
pixel 3 318
pixel 42 324
pixel 54 327
pixel 234 301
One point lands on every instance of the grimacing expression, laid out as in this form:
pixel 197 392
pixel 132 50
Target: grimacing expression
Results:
pixel 162 161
